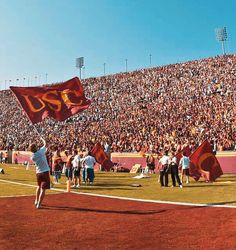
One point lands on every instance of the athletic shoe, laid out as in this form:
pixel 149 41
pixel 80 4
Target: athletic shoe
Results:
pixel 38 206
pixel 187 182
pixel 35 203
pixel 180 186
pixel 78 186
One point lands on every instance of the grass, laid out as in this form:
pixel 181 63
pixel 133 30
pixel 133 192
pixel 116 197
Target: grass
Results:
pixel 119 184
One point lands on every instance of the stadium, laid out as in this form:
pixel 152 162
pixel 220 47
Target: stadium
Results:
pixel 85 144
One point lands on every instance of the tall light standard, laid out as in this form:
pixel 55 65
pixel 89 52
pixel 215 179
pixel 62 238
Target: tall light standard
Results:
pixel 221 36
pixel 104 69
pixel 80 64
pixel 126 65
pixel 46 78
pixel 150 60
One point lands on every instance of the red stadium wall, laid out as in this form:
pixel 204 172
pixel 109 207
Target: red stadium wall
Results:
pixel 21 157
pixel 226 159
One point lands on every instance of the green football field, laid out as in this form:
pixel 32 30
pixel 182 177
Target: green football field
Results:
pixel 19 181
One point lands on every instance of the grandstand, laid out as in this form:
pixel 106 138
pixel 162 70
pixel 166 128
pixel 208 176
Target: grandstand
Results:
pixel 145 110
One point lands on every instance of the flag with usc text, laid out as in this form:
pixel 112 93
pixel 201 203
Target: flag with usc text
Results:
pixel 98 153
pixel 59 101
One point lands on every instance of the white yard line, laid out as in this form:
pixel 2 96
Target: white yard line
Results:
pixel 122 198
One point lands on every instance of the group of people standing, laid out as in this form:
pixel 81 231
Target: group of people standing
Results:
pixel 74 165
pixel 168 163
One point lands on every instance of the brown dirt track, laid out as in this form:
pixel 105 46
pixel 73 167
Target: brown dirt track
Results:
pixel 70 221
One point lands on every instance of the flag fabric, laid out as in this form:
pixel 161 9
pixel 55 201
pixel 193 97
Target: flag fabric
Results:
pixel 59 101
pixel 101 157
pixel 186 150
pixel 204 163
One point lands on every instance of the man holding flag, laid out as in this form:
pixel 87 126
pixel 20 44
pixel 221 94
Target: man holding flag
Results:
pixel 42 172
pixel 58 101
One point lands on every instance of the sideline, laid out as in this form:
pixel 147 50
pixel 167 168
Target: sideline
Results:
pixel 121 198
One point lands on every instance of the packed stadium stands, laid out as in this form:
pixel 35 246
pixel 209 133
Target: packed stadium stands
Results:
pixel 145 110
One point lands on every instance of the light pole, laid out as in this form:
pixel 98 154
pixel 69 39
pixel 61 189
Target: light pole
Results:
pixel 84 72
pixel 79 64
pixel 104 69
pixel 221 36
pixel 46 78
pixel 150 60
pixel 126 65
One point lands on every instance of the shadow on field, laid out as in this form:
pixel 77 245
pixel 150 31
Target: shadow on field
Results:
pixel 109 185
pixel 135 212
pixel 205 185
pixel 107 188
pixel 222 203
pixel 113 177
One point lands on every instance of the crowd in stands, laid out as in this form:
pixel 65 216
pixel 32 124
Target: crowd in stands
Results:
pixel 146 110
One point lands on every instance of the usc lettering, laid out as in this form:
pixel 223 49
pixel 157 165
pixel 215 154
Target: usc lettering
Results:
pixel 53 99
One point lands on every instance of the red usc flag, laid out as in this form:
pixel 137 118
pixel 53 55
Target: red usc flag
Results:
pixel 204 163
pixel 59 101
pixel 101 157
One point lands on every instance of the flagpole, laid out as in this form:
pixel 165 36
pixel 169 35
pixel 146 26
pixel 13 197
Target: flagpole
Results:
pixel 38 133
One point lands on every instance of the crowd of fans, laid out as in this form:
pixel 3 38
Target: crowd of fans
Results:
pixel 145 110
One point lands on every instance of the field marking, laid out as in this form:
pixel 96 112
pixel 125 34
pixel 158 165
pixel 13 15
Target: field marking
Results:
pixel 123 198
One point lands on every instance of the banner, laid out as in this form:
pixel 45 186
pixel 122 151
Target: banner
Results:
pixel 204 163
pixel 101 157
pixel 186 150
pixel 59 101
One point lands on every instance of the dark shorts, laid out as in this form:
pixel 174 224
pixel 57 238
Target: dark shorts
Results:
pixel 43 180
pixel 68 173
pixel 185 171
pixel 76 172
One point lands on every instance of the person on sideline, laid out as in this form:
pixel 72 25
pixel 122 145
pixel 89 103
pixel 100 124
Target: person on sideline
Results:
pixel 56 166
pixel 42 171
pixel 163 167
pixel 150 160
pixel 76 168
pixel 184 164
pixel 174 170
pixel 89 162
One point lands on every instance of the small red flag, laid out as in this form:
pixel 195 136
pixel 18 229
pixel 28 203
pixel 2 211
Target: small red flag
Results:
pixel 59 101
pixel 101 157
pixel 204 163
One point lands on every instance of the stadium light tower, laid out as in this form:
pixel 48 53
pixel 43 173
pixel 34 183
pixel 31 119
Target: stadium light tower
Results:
pixel 126 65
pixel 80 64
pixel 221 36
pixel 104 69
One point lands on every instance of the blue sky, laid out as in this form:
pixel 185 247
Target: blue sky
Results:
pixel 40 39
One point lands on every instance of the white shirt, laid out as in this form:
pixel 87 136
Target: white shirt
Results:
pixel 164 160
pixel 173 160
pixel 39 158
pixel 89 161
pixel 76 161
